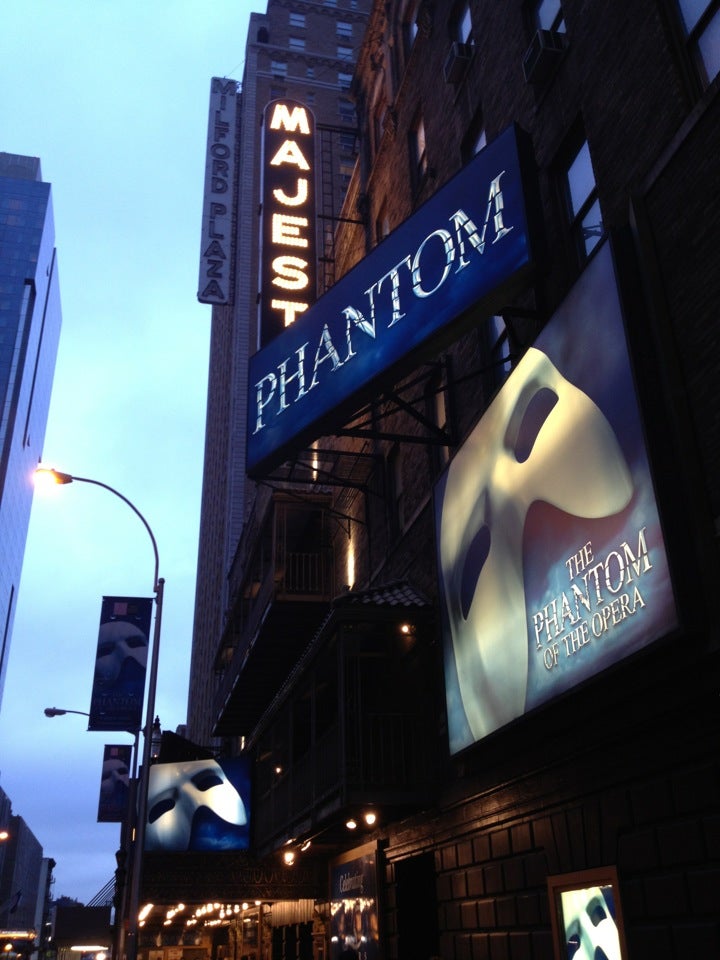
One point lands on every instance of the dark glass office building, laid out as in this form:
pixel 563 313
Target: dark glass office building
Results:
pixel 29 329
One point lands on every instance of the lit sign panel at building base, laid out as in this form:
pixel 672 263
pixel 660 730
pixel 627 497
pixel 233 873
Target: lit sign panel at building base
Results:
pixel 461 249
pixel 551 555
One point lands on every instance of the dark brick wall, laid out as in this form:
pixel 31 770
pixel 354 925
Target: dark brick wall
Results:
pixel 625 771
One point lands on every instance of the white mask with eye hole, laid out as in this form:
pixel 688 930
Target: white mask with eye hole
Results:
pixel 113 772
pixel 177 791
pixel 590 930
pixel 118 641
pixel 542 439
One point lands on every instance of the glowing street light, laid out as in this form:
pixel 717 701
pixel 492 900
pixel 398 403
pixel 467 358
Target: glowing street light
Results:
pixel 158 584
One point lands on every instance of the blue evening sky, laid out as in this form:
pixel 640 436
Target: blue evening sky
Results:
pixel 112 95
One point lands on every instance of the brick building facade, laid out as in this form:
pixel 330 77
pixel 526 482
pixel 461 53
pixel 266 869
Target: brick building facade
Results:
pixel 335 682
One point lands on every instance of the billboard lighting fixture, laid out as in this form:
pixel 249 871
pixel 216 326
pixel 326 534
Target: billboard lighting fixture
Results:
pixel 289 858
pixel 351 824
pixel 370 817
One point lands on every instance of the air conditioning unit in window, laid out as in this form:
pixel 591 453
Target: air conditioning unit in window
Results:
pixel 542 55
pixel 456 62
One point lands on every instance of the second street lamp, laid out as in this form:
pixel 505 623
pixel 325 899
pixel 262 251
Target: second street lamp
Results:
pixel 139 841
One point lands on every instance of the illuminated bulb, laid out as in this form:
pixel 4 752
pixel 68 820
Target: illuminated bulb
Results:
pixel 289 857
pixel 370 818
pixel 351 824
pixel 305 846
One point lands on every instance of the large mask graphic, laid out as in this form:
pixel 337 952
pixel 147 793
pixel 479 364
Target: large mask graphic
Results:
pixel 542 439
pixel 118 642
pixel 179 792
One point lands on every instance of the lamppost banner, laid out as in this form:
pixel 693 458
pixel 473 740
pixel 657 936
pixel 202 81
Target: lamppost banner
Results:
pixel 120 664
pixel 115 783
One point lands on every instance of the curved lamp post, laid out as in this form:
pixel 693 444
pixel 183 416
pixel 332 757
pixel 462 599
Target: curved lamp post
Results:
pixel 139 841
pixel 60 712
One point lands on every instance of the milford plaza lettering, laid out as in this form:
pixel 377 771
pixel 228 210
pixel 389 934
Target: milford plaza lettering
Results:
pixel 216 239
pixel 447 251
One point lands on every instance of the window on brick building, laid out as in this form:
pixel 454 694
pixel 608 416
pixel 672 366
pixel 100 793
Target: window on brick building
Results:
pixel 397 489
pixel 297 20
pixel 409 26
pixel 461 28
pixel 344 53
pixel 701 23
pixel 343 29
pixel 499 348
pixel 296 43
pixel 418 150
pixel 582 205
pixel 346 109
pixel 379 112
pixel 347 141
pixel 278 68
pixel 474 140
pixel 382 224
pixel 548 15
pixel 344 80
pixel 436 411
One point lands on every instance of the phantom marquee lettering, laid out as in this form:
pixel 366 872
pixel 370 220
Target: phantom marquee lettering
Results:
pixel 441 255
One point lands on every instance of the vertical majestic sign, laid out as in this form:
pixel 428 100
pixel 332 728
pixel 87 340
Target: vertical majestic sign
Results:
pixel 217 241
pixel 552 562
pixel 120 664
pixel 288 281
pixel 115 783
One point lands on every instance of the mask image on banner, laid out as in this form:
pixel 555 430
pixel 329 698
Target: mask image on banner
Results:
pixel 115 777
pixel 194 806
pixel 552 563
pixel 122 646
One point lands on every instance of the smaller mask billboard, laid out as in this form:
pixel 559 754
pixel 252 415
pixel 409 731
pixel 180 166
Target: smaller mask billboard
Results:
pixel 120 664
pixel 115 783
pixel 552 562
pixel 198 805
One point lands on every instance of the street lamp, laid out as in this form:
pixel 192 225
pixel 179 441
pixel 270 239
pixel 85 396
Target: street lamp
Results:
pixel 60 712
pixel 139 842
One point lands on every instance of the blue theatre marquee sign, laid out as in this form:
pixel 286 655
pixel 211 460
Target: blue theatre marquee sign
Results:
pixel 461 249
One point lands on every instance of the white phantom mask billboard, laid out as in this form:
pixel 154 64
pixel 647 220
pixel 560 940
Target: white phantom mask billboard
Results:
pixel 551 559
pixel 198 805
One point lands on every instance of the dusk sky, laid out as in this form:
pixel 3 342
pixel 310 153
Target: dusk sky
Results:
pixel 112 96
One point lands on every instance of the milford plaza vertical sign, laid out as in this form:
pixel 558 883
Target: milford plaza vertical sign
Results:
pixel 216 244
pixel 467 247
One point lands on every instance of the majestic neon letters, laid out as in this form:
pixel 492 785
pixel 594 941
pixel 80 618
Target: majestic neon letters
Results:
pixel 287 280
pixel 439 257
